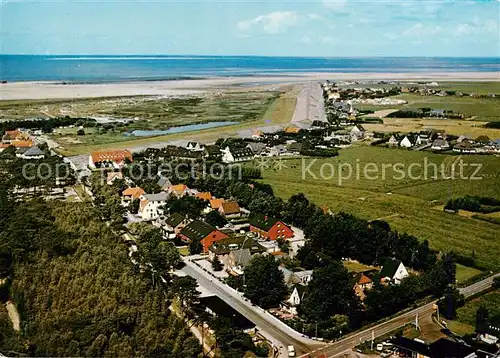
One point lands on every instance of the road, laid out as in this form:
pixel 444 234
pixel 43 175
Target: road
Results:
pixel 337 348
pixel 262 319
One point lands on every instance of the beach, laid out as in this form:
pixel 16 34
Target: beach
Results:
pixel 60 90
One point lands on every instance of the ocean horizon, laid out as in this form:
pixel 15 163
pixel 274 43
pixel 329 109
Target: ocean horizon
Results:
pixel 120 68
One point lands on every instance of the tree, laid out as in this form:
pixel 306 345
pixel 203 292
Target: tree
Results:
pixel 264 282
pixel 215 219
pixel 184 288
pixel 195 247
pixel 330 292
pixel 482 316
pixel 134 206
pixel 496 282
pixel 450 302
pixel 216 264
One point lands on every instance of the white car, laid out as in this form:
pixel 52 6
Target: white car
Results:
pixel 291 351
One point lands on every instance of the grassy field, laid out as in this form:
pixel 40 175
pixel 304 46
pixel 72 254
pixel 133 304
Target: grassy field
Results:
pixel 278 111
pixel 357 267
pixel 466 316
pixel 407 204
pixel 465 273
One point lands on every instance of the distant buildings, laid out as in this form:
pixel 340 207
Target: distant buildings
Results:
pixel 110 159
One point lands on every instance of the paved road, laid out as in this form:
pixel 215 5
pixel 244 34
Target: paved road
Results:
pixel 337 348
pixel 262 319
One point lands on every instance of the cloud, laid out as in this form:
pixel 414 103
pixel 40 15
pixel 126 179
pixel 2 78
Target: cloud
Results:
pixel 272 23
pixel 335 4
pixel 420 30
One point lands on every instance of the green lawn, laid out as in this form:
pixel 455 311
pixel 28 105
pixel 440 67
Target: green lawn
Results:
pixel 465 273
pixel 356 266
pixel 407 204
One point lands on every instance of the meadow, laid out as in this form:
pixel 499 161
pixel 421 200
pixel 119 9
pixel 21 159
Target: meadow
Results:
pixel 271 108
pixel 466 315
pixel 407 204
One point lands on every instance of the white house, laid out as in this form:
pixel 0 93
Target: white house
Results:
pixel 236 155
pixel 297 295
pixel 393 271
pixel 440 144
pixel 304 276
pixel 149 207
pixel 357 132
pixel 393 141
pixel 406 143
pixel 33 153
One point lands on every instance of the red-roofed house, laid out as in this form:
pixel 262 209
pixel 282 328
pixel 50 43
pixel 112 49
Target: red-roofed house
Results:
pixel 115 159
pixel 270 228
pixel 130 194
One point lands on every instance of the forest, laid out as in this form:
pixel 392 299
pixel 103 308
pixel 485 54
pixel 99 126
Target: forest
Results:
pixel 76 290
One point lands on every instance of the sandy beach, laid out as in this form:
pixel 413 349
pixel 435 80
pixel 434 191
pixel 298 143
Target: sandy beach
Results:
pixel 57 90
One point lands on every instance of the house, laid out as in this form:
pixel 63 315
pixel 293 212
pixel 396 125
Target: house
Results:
pixel 236 155
pixel 151 153
pixel 406 142
pixel 130 194
pixel 212 152
pixel 289 277
pixel 224 247
pixel 440 144
pixel 215 204
pixel 178 153
pixel 115 159
pixel 111 177
pixel 178 190
pixel 277 150
pixel 238 260
pixel 440 113
pixel 464 137
pixel 150 204
pixel 304 276
pixel 393 141
pixel 393 271
pixel 297 295
pixel 198 230
pixel 442 348
pixel 357 132
pixel 30 153
pixel 256 147
pixel 164 183
pixel 230 210
pixel 194 146
pixel 171 225
pixel 464 147
pixel 206 196
pixel 483 139
pixel 294 148
pixel 363 283
pixel 269 228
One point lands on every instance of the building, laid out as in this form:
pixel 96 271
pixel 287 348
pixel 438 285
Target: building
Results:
pixel 212 152
pixel 206 196
pixel 442 348
pixel 406 142
pixel 297 296
pixel 440 144
pixel 200 231
pixel 357 132
pixel 363 283
pixel 393 271
pixel 194 146
pixel 294 148
pixel 178 190
pixel 304 276
pixel 230 210
pixel 224 247
pixel 30 153
pixel 111 177
pixel 256 147
pixel 112 159
pixel 236 155
pixel 130 194
pixel 171 225
pixel 164 183
pixel 150 206
pixel 269 228
pixel 215 204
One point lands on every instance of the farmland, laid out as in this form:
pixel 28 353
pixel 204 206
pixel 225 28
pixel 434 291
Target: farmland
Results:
pixel 407 204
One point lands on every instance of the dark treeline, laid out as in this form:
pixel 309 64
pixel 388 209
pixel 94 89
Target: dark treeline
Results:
pixel 476 204
pixel 47 125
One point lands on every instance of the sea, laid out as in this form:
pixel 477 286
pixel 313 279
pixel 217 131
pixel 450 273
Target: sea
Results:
pixel 98 69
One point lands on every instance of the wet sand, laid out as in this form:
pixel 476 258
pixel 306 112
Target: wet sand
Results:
pixel 58 90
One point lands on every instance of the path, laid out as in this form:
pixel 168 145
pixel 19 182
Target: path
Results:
pixel 13 315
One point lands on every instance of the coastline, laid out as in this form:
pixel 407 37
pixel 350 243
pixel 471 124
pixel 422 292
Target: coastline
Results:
pixel 59 90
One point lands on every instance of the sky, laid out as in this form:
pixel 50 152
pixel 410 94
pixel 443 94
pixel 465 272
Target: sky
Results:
pixel 330 28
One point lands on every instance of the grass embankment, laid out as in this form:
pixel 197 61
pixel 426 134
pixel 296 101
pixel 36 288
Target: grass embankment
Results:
pixel 407 204
pixel 278 111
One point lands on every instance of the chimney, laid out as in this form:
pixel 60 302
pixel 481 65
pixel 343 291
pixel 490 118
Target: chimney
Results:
pixel 265 218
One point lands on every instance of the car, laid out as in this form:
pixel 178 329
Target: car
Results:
pixel 291 351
